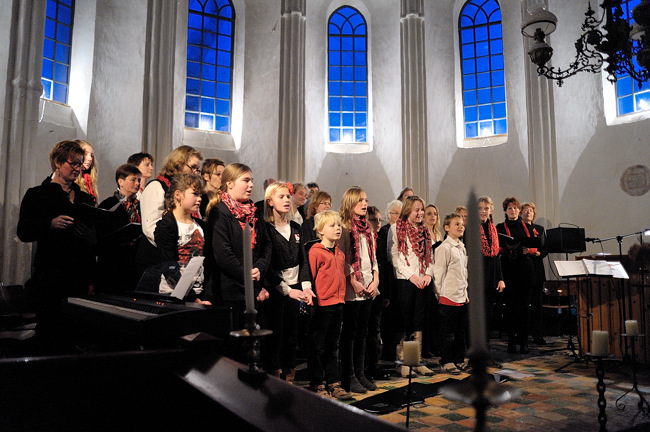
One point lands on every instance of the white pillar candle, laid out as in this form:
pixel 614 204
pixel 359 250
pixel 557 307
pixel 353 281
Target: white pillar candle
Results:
pixel 631 328
pixel 599 343
pixel 248 267
pixel 411 353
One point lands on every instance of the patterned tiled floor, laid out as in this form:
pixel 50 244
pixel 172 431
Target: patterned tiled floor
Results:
pixel 550 401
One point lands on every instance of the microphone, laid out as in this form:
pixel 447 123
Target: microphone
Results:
pixel 593 240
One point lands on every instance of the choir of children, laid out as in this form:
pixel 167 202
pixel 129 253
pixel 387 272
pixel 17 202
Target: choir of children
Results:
pixel 351 279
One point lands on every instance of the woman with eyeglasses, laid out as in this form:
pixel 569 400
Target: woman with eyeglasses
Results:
pixel 51 215
pixel 182 160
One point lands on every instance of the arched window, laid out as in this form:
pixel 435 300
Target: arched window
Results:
pixel 482 69
pixel 210 36
pixel 630 96
pixel 347 75
pixel 55 75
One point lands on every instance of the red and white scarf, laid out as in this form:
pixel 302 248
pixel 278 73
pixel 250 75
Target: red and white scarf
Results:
pixel 491 248
pixel 243 212
pixel 359 227
pixel 420 240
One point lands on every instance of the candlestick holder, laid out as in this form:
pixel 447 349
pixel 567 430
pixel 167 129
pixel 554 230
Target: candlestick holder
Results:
pixel 643 403
pixel 409 392
pixel 600 386
pixel 251 336
pixel 480 391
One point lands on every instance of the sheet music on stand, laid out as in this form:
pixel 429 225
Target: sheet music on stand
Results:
pixel 587 267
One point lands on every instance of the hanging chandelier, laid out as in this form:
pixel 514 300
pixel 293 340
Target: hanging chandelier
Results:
pixel 609 40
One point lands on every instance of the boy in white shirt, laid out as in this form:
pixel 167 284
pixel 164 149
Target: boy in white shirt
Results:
pixel 450 279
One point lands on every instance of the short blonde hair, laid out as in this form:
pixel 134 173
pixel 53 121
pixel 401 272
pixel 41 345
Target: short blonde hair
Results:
pixel 177 159
pixel 268 194
pixel 323 218
pixel 531 205
pixel 316 199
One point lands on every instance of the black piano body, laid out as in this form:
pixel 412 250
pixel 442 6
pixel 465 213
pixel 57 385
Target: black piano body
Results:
pixel 143 321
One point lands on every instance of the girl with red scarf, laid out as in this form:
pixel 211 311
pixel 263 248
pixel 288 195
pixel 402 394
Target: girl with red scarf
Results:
pixel 87 180
pixel 409 243
pixel 359 244
pixel 492 274
pixel 518 272
pixel 226 222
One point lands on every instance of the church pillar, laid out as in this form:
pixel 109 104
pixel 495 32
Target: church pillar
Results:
pixel 542 151
pixel 291 125
pixel 19 130
pixel 415 173
pixel 158 104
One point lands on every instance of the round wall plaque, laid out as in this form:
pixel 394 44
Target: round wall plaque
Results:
pixel 635 181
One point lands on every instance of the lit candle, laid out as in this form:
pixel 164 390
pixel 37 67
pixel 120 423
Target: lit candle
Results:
pixel 476 294
pixel 632 328
pixel 599 343
pixel 248 267
pixel 411 353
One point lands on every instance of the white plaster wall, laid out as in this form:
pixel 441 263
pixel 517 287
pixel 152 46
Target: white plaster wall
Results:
pixel 115 108
pixel 379 172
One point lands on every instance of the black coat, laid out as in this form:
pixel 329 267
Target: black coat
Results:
pixel 64 263
pixel 227 247
pixel 285 254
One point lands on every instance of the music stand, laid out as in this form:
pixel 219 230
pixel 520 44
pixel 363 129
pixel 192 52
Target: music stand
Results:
pixel 568 240
pixel 621 284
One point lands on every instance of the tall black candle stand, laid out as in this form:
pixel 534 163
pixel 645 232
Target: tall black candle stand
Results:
pixel 251 336
pixel 600 386
pixel 643 403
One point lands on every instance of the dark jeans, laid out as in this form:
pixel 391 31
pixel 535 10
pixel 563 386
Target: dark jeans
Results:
pixel 413 303
pixel 279 348
pixel 353 336
pixel 372 340
pixel 454 325
pixel 324 333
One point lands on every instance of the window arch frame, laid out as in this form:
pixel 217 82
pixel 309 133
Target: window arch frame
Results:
pixel 54 37
pixel 204 88
pixel 610 91
pixel 349 147
pixel 203 139
pixel 488 140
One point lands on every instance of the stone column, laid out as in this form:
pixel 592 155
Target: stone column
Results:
pixel 19 130
pixel 158 104
pixel 542 152
pixel 415 159
pixel 291 125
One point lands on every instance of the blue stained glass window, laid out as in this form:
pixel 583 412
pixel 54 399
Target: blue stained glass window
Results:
pixel 630 97
pixel 482 68
pixel 55 75
pixel 210 48
pixel 347 76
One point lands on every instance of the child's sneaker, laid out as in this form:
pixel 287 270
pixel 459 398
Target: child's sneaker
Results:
pixel 450 368
pixel 319 390
pixel 336 391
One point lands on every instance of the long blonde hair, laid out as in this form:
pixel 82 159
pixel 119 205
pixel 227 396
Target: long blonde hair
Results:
pixel 268 194
pixel 435 229
pixel 92 170
pixel 349 200
pixel 231 173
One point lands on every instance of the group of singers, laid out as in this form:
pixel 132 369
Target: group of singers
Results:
pixel 404 280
